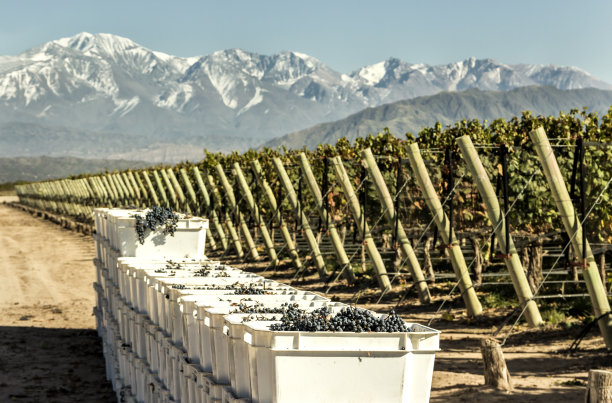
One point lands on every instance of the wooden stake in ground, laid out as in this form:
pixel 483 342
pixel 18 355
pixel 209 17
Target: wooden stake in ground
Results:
pixel 506 244
pixel 278 217
pixel 599 389
pixel 496 373
pixel 455 255
pixel 217 201
pixel 389 211
pixel 294 202
pixel 231 198
pixel 355 208
pixel 336 240
pixel 259 220
pixel 206 202
pixel 573 227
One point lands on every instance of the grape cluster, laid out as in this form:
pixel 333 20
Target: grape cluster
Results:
pixel 349 319
pixel 154 218
pixel 261 308
pixel 170 265
pixel 205 271
pixel 250 289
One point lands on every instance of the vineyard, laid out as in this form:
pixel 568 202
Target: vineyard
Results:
pixel 519 209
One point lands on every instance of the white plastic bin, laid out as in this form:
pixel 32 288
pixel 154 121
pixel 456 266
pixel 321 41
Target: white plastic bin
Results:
pixel 203 303
pixel 388 366
pixel 188 239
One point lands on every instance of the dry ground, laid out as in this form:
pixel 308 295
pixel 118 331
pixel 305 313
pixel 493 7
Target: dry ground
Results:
pixel 49 350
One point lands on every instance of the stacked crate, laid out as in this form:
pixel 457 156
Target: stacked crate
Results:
pixel 176 327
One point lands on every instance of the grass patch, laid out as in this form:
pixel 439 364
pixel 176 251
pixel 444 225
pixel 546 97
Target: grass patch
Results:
pixel 554 317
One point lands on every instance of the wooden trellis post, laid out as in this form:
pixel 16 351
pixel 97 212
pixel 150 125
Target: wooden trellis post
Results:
pixel 137 190
pixel 170 189
pixel 212 213
pixel 389 211
pixel 152 195
pixel 232 201
pixel 468 293
pixel 128 197
pixel 109 186
pixel 189 188
pixel 103 183
pixel 125 182
pixel 218 201
pixel 512 260
pixel 248 196
pixel 332 231
pixel 180 196
pixel 99 193
pixel 121 200
pixel 194 201
pixel 353 202
pixel 160 188
pixel 310 238
pixel 278 217
pixel 126 194
pixel 573 227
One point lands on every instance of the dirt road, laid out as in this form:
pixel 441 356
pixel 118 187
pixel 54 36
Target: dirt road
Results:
pixel 49 349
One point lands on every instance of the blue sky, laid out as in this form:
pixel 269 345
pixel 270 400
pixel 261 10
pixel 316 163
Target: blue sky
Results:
pixel 343 34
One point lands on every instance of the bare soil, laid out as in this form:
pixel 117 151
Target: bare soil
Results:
pixel 49 348
pixel 50 352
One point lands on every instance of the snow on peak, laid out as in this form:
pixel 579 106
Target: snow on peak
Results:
pixel 106 43
pixel 257 99
pixel 374 73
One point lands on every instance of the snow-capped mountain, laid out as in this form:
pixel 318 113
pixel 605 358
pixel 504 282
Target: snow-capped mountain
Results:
pixel 116 97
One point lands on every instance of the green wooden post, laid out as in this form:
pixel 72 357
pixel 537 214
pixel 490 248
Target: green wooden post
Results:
pixel 292 197
pixel 513 261
pixel 332 231
pixel 190 191
pixel 194 203
pixel 179 191
pixel 232 200
pixel 143 190
pixel 137 193
pixel 573 227
pixel 124 189
pixel 99 196
pixel 468 293
pixel 169 188
pixel 389 211
pixel 110 196
pixel 125 182
pixel 151 189
pixel 211 211
pixel 278 217
pixel 214 192
pixel 106 198
pixel 353 202
pixel 117 187
pixel 250 201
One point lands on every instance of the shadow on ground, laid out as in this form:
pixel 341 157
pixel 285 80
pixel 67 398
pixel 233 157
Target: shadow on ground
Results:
pixel 52 365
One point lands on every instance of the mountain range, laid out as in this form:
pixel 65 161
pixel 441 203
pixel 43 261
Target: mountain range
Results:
pixel 412 115
pixel 105 96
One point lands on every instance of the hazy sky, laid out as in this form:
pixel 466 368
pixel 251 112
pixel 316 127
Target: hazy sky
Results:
pixel 343 34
